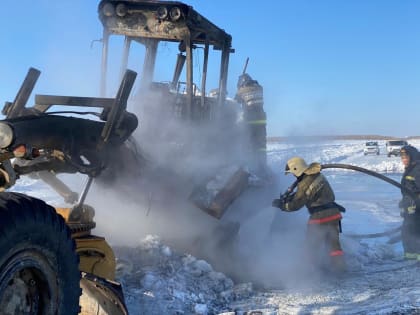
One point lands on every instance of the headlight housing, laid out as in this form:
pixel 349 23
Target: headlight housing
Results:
pixel 175 14
pixel 108 9
pixel 6 135
pixel 162 13
pixel 121 10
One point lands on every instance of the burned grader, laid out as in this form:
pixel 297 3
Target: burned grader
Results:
pixel 202 133
pixel 50 262
pixel 49 257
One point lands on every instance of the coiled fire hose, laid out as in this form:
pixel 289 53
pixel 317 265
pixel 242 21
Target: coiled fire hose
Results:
pixel 384 178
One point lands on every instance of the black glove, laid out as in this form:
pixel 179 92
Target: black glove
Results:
pixel 284 199
pixel 407 206
pixel 401 204
pixel 280 203
pixel 406 202
pixel 288 197
pixel 276 203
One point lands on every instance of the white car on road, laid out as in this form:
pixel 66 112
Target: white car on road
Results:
pixel 371 147
pixel 393 147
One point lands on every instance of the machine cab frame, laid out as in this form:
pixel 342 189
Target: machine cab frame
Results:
pixel 152 22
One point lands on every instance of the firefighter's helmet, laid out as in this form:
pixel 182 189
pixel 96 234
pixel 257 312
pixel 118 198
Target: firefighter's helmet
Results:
pixel 296 165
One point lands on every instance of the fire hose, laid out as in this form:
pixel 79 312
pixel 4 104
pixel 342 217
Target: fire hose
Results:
pixel 390 232
pixel 411 193
pixel 374 174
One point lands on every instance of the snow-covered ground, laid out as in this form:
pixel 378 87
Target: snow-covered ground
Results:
pixel 159 279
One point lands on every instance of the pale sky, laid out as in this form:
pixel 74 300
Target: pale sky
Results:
pixel 327 66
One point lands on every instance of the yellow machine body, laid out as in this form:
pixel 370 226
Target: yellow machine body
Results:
pixel 96 256
pixel 101 295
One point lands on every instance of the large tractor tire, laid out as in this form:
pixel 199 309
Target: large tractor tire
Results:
pixel 39 271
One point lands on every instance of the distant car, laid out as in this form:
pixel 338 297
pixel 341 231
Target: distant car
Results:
pixel 393 147
pixel 371 147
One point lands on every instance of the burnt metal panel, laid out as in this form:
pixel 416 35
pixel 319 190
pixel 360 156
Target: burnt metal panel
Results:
pixel 14 109
pixel 47 100
pixel 153 19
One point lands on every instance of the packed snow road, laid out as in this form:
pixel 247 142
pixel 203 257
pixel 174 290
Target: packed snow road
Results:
pixel 378 281
pixel 274 279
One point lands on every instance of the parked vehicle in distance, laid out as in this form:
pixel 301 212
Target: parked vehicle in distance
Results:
pixel 393 147
pixel 371 147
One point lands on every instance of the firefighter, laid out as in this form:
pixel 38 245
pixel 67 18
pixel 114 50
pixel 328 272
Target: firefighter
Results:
pixel 324 225
pixel 410 232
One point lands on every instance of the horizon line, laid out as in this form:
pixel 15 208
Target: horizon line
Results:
pixel 341 137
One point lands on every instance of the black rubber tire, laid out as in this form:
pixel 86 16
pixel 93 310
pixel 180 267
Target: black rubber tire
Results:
pixel 38 261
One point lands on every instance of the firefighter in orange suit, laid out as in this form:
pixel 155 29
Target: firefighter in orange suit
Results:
pixel 324 225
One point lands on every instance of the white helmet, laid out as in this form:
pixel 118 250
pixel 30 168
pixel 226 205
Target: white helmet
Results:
pixel 296 165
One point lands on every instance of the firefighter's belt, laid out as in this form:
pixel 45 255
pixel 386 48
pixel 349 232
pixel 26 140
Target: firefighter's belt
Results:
pixel 329 205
